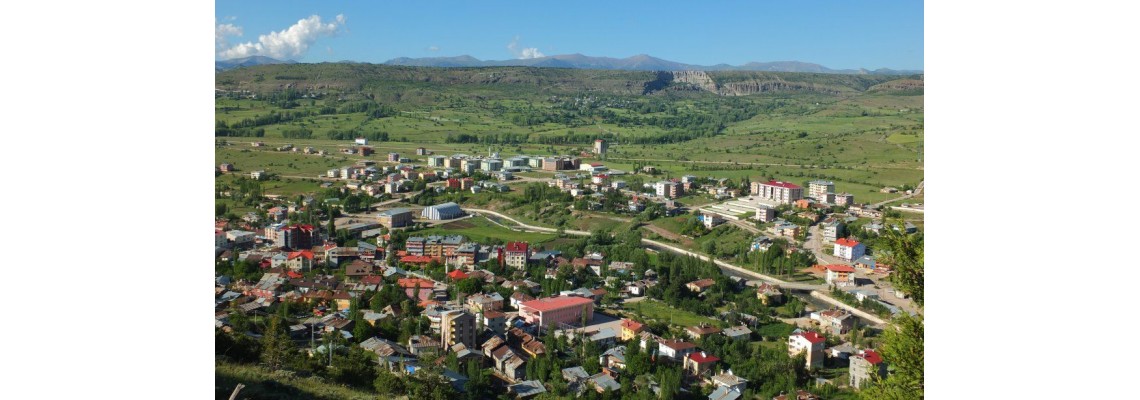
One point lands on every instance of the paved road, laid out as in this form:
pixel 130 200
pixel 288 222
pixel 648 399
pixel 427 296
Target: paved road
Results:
pixel 917 191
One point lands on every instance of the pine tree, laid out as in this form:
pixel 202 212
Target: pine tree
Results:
pixel 276 348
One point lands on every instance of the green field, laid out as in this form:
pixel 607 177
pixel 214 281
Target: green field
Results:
pixel 653 309
pixel 262 384
pixel 479 229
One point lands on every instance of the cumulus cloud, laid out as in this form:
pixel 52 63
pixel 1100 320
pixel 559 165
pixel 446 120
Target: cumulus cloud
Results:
pixel 523 53
pixel 291 43
pixel 433 48
pixel 221 31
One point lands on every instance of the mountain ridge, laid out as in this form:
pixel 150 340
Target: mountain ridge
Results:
pixel 639 62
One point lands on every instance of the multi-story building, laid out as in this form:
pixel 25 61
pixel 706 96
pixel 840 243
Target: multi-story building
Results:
pixel 807 342
pixel 240 238
pixel 849 249
pixel 393 157
pixel 600 147
pixel 467 253
pixel 458 327
pixel 667 189
pixel 415 245
pixel 436 161
pixel 535 162
pixel 844 199
pixel 832 229
pixel 818 190
pixel 420 151
pixel 556 311
pixel 469 165
pixel 711 220
pixel 517 253
pixel 492 165
pixel 840 275
pixel 863 365
pixel 836 321
pixel 780 192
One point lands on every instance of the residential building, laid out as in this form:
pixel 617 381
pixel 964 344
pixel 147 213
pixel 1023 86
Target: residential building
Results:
pixel 600 147
pixel 395 218
pixel 420 151
pixel 844 199
pixel 711 220
pixel 526 389
pixel 810 343
pixel 840 275
pixel 832 229
pixel 765 214
pixel 818 190
pixel 700 331
pixel 668 189
pixel 614 358
pixel 699 286
pixel 725 393
pixel 393 157
pixel 568 310
pixel 863 366
pixel 836 321
pixel 769 294
pixel 780 192
pixel 738 333
pixel 436 161
pixel 491 165
pixel 800 395
pixel 849 249
pixel 729 380
pixel 675 349
pixel 630 329
pixel 485 302
pixel 443 211
pixel 299 260
pixel 458 327
pixel 865 263
pixel 415 245
pixel 517 254
pixel 699 363
pixel 240 238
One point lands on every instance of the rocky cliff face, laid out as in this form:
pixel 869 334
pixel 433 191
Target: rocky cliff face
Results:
pixel 700 80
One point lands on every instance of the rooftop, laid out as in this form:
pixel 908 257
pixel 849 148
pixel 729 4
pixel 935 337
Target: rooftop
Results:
pixel 555 303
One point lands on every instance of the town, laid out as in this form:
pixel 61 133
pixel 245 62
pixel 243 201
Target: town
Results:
pixel 398 275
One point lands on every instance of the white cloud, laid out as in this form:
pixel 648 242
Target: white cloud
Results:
pixel 522 54
pixel 433 48
pixel 221 31
pixel 290 43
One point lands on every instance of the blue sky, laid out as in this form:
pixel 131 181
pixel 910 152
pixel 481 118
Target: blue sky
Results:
pixel 836 34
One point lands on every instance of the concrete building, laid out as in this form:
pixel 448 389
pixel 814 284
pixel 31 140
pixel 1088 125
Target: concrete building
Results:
pixel 765 214
pixel 832 229
pixel 711 220
pixel 810 343
pixel 492 165
pixel 667 189
pixel 393 157
pixel 443 211
pixel 849 249
pixel 420 151
pixel 780 192
pixel 240 238
pixel 818 190
pixel 600 147
pixel 458 327
pixel 559 310
pixel 844 199
pixel 863 366
pixel 436 161
pixel 395 218
pixel 840 275
pixel 517 254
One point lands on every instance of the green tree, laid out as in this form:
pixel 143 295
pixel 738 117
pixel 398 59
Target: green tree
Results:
pixel 902 349
pixel 906 260
pixel 388 383
pixel 276 348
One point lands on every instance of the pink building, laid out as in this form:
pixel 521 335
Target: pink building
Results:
pixel 557 310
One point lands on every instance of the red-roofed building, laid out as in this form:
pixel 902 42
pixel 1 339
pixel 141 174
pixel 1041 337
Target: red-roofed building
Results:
pixel 457 275
pixel 557 310
pixel 840 275
pixel 810 343
pixel 698 363
pixel 675 349
pixel 516 254
pixel 299 260
pixel 848 249
pixel 630 329
pixel 780 192
pixel 416 259
pixel 411 285
pixel 863 366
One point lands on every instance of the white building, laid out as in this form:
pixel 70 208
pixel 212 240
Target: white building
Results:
pixel 818 190
pixel 239 237
pixel 442 211
pixel 361 141
pixel 810 343
pixel 780 192
pixel 849 249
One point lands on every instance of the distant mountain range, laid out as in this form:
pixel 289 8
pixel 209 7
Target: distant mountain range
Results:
pixel 247 62
pixel 639 62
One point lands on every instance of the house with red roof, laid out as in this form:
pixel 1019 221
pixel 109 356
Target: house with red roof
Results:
pixel 630 329
pixel 458 275
pixel 700 331
pixel 416 259
pixel 840 275
pixel 517 254
pixel 557 311
pixel 810 343
pixel 698 363
pixel 849 249
pixel 863 366
pixel 411 286
pixel 675 349
pixel 300 260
